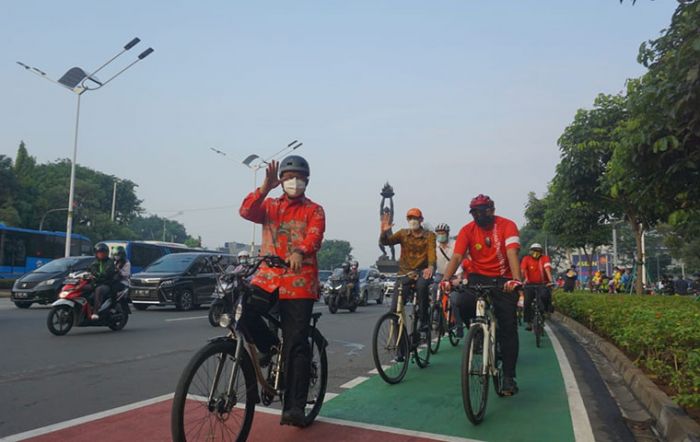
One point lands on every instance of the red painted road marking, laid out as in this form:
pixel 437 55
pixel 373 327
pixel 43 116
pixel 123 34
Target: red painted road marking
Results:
pixel 152 423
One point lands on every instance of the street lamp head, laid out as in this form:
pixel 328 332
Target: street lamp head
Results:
pixel 249 159
pixel 145 53
pixel 132 43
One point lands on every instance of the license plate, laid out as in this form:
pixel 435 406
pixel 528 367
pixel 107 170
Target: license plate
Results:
pixel 20 295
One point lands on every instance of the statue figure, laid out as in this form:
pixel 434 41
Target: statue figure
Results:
pixel 384 210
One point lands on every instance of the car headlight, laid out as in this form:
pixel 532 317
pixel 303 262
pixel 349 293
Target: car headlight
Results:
pixel 47 282
pixel 167 283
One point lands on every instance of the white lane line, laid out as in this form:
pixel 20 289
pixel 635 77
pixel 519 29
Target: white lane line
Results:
pixel 329 396
pixel 375 371
pixel 355 382
pixel 85 419
pixel 364 426
pixel 583 432
pixel 185 319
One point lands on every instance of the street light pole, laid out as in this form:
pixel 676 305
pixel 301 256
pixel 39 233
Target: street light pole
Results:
pixel 76 80
pixel 114 199
pixel 71 192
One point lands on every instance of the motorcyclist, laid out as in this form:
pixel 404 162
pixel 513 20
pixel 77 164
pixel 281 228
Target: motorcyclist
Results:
pixel 123 268
pixel 243 257
pixel 103 273
pixel 355 279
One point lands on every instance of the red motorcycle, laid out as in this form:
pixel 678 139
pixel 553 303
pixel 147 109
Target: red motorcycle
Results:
pixel 74 307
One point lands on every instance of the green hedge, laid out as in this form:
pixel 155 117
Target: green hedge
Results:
pixel 660 333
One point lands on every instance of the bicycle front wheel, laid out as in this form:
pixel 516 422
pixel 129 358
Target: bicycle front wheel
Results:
pixel 204 408
pixel 475 377
pixel 390 348
pixel 318 378
pixel 437 320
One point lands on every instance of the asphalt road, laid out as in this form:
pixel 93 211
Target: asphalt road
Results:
pixel 46 379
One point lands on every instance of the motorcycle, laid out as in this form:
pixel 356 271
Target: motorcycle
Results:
pixel 224 286
pixel 73 308
pixel 341 294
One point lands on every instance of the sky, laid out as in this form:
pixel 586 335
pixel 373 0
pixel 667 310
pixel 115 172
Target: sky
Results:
pixel 443 99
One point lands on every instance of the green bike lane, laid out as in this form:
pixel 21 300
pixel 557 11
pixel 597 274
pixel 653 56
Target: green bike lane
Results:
pixel 430 400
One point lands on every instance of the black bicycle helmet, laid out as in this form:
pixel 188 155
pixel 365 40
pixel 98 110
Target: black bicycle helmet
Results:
pixel 442 228
pixel 101 247
pixel 294 163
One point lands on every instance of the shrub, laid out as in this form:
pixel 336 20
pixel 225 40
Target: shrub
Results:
pixel 660 333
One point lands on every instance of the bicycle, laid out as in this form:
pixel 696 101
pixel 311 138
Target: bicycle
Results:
pixel 213 398
pixel 392 346
pixel 538 311
pixel 482 357
pixel 442 321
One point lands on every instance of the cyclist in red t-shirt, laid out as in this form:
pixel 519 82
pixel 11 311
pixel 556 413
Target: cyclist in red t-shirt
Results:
pixel 492 243
pixel 536 269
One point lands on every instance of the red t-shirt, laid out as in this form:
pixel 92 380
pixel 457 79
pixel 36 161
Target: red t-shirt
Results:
pixel 533 270
pixel 487 248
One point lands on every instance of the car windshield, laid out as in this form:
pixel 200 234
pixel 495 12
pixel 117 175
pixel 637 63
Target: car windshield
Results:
pixel 363 274
pixel 175 263
pixel 57 265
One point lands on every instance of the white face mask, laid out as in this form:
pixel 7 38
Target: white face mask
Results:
pixel 442 238
pixel 413 224
pixel 294 187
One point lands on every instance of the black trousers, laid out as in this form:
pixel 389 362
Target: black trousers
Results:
pixel 102 291
pixel 295 315
pixel 545 299
pixel 505 308
pixel 422 287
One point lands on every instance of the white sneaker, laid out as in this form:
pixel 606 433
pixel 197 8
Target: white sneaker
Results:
pixel 94 317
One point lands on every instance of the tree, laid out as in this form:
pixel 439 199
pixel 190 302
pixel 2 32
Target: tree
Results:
pixel 579 205
pixel 25 174
pixel 333 253
pixel 8 191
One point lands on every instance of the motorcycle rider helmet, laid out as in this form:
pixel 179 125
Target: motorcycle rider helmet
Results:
pixel 294 163
pixel 355 264
pixel 120 254
pixel 346 267
pixel 243 257
pixel 101 248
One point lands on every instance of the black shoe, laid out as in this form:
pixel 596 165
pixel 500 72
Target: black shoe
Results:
pixel 528 326
pixel 510 387
pixel 460 332
pixel 399 359
pixel 293 416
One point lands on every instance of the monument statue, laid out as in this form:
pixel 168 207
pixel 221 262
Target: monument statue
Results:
pixel 387 193
pixel 386 208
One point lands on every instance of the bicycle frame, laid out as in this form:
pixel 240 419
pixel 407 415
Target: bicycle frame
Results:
pixel 486 319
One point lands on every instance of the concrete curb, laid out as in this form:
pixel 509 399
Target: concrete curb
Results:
pixel 671 421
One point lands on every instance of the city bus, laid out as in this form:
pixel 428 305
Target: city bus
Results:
pixel 25 250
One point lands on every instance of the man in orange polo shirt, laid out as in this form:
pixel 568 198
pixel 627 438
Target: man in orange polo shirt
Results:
pixel 293 228
pixel 492 243
pixel 536 269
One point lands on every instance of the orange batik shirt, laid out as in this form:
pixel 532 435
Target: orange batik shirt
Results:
pixel 289 225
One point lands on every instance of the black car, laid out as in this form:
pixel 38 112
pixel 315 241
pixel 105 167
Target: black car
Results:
pixel 185 280
pixel 42 285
